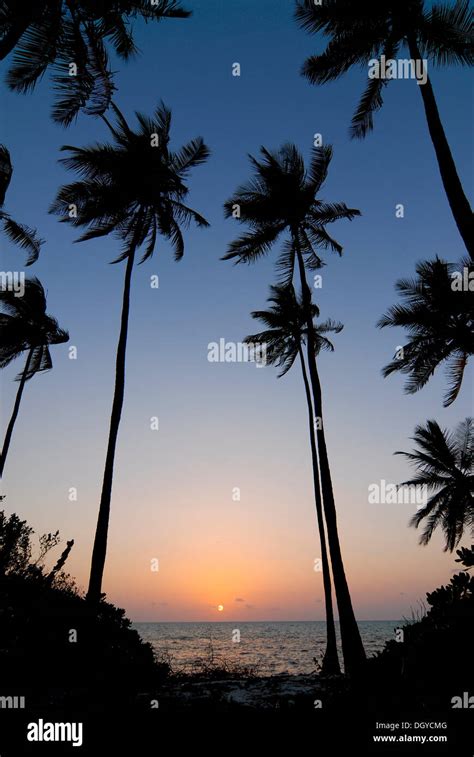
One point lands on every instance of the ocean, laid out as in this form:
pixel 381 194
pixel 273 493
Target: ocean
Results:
pixel 269 647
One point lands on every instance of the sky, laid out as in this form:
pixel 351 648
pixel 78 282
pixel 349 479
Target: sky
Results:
pixel 228 425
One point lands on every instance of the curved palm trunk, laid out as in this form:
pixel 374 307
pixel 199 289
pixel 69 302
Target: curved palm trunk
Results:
pixel 16 407
pixel 457 199
pixel 352 647
pixel 100 541
pixel 330 662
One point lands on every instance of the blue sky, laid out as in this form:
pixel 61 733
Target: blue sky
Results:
pixel 229 425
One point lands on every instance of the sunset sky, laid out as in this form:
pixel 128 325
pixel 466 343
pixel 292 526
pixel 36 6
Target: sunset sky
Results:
pixel 227 425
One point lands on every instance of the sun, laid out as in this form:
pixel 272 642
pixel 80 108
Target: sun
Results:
pixel 220 608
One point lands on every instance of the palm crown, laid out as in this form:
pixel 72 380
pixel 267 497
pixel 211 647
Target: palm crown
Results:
pixel 25 325
pixel 439 319
pixel 282 197
pixel 56 33
pixel 286 328
pixel 365 30
pixel 135 187
pixel 445 463
pixel 22 235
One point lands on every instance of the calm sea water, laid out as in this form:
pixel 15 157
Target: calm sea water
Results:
pixel 273 647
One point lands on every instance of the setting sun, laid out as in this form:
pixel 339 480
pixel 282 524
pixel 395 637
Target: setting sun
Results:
pixel 220 607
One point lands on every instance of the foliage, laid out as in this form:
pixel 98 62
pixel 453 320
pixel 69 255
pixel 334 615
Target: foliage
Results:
pixel 18 233
pixel 134 188
pixel 26 326
pixel 434 661
pixel 437 311
pixel 280 198
pixel 286 328
pixel 445 467
pixel 58 34
pixel 40 610
pixel 360 32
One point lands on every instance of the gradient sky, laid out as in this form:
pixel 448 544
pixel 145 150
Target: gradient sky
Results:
pixel 233 425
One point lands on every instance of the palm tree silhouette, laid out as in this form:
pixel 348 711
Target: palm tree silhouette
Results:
pixel 284 338
pixel 445 465
pixel 18 233
pixel 64 33
pixel 282 198
pixel 360 32
pixel 135 189
pixel 440 323
pixel 26 327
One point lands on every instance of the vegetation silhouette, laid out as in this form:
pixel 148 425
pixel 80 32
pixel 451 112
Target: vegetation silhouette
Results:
pixel 433 665
pixel 363 31
pixel 96 663
pixel 134 189
pixel 281 198
pixel 284 339
pixel 18 233
pixel 94 659
pixel 58 34
pixel 25 326
pixel 445 466
pixel 73 653
pixel 439 318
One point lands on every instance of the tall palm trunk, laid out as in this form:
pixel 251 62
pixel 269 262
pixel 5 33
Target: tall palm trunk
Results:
pixel 330 662
pixel 16 407
pixel 457 199
pixel 100 541
pixel 352 647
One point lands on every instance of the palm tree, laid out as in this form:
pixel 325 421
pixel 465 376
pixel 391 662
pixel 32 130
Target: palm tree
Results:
pixel 135 189
pixel 445 466
pixel 361 32
pixel 438 313
pixel 26 327
pixel 284 338
pixel 282 198
pixel 18 233
pixel 64 33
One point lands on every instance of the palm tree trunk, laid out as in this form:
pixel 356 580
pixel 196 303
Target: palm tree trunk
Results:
pixel 16 407
pixel 330 664
pixel 352 647
pixel 457 199
pixel 100 541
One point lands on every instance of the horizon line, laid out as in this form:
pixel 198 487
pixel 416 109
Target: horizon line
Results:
pixel 365 620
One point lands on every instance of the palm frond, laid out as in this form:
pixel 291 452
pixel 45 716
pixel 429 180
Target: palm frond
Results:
pixel 319 165
pixel 6 171
pixel 455 372
pixel 193 154
pixel 371 100
pixel 35 51
pixel 445 463
pixel 446 34
pixel 23 236
pixel 249 247
pixel 92 89
pixel 329 212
